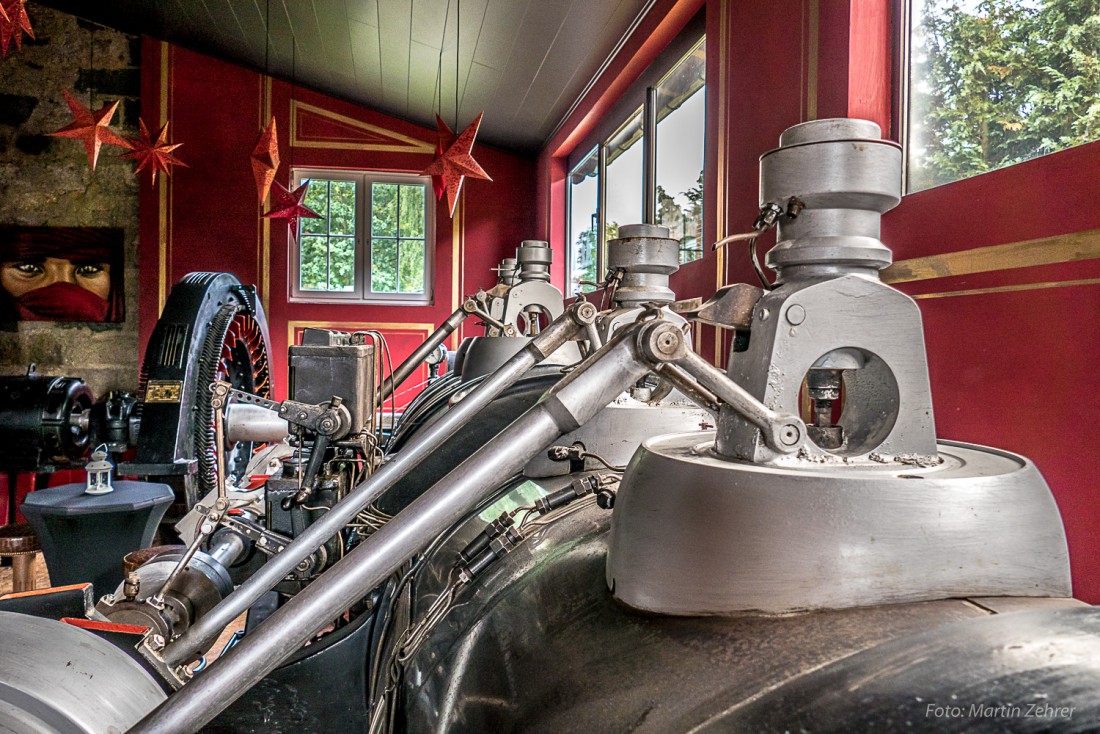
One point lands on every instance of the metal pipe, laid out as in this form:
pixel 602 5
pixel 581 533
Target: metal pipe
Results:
pixel 601 212
pixel 413 361
pixel 244 422
pixel 206 630
pixel 649 157
pixel 690 387
pixel 227 548
pixel 569 404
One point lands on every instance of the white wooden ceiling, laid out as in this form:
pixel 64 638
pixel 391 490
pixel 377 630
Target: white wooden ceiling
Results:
pixel 524 62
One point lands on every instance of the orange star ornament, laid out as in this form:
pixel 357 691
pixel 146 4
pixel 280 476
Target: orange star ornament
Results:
pixel 288 206
pixel 14 24
pixel 92 128
pixel 455 163
pixel 156 154
pixel 265 159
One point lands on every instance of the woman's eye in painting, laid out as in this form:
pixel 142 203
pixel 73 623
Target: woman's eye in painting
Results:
pixel 29 269
pixel 89 269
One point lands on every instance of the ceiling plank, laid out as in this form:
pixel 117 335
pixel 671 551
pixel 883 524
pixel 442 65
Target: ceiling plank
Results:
pixel 395 23
pixel 367 63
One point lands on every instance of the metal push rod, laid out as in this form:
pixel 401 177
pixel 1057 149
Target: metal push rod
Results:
pixel 575 400
pixel 413 361
pixel 197 637
pixel 781 431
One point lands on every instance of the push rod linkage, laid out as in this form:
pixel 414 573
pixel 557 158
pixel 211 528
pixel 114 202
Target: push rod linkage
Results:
pixel 198 637
pixel 782 432
pixel 413 361
pixel 576 399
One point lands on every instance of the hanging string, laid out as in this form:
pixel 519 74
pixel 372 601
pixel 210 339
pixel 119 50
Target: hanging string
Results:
pixel 293 79
pixel 458 41
pixel 91 67
pixel 267 40
pixel 439 70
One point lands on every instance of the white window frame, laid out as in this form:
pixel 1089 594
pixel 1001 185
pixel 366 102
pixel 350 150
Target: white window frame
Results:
pixel 362 293
pixel 601 145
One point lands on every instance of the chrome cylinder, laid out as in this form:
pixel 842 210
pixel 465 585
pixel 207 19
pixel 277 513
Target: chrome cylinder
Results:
pixel 244 422
pixel 834 179
pixel 647 255
pixel 534 257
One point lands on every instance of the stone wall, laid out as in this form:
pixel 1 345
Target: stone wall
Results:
pixel 47 181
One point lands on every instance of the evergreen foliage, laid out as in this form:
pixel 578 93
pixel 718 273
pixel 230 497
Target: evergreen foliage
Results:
pixel 997 82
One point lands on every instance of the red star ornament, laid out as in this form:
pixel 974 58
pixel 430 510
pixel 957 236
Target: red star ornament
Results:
pixel 446 140
pixel 14 25
pixel 156 154
pixel 288 205
pixel 456 163
pixel 265 159
pixel 92 128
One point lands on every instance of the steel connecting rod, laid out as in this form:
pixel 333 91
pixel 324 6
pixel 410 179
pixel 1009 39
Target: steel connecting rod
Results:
pixel 634 351
pixel 782 432
pixel 199 636
pixel 413 361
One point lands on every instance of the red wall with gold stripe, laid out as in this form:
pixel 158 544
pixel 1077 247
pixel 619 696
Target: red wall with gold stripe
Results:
pixel 206 216
pixel 1005 266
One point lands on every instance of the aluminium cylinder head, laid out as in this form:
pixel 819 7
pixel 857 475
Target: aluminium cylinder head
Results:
pixel 647 255
pixel 838 177
pixel 534 258
pixel 507 272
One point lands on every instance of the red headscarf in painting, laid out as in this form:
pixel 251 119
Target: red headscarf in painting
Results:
pixel 64 301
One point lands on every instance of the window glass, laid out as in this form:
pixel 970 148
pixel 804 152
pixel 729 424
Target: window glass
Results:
pixel 584 192
pixel 681 110
pixel 996 82
pixel 341 255
pixel 397 242
pixel 327 245
pixel 624 176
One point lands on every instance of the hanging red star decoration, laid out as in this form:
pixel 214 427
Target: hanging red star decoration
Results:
pixel 156 154
pixel 456 163
pixel 265 159
pixel 288 205
pixel 446 140
pixel 14 24
pixel 92 128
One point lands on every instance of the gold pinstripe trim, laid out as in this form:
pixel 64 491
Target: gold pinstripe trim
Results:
pixel 1010 288
pixel 401 144
pixel 1027 253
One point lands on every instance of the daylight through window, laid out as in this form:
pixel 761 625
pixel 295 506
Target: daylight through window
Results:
pixel 997 82
pixel 370 243
pixel 619 185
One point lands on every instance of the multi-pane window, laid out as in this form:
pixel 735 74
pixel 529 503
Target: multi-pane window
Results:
pixel 584 192
pixel 997 82
pixel 681 110
pixel 613 175
pixel 371 242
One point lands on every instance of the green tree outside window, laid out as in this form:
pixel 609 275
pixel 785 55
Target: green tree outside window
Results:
pixel 997 82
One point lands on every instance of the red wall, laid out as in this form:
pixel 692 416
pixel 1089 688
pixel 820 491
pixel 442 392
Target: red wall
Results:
pixel 1012 351
pixel 206 216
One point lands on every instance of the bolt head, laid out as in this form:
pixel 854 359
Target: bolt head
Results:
pixel 789 434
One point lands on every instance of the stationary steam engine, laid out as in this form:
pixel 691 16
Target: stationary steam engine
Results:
pixel 581 525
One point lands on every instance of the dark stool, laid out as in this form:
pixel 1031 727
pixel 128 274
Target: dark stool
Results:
pixel 84 537
pixel 20 544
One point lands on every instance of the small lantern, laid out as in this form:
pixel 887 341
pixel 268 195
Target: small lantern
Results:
pixel 99 473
